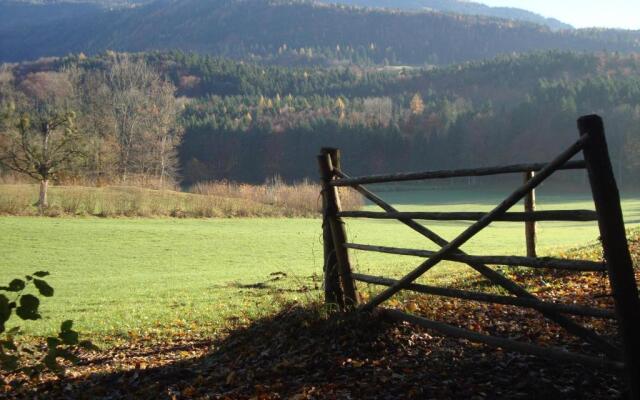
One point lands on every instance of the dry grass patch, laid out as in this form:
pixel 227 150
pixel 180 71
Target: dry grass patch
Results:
pixel 212 200
pixel 300 199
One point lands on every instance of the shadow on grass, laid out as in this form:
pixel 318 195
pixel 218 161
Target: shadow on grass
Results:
pixel 301 353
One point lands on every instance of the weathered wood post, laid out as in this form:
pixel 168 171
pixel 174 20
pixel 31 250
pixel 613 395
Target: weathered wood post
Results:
pixel 331 202
pixel 530 226
pixel 332 290
pixel 326 160
pixel 614 241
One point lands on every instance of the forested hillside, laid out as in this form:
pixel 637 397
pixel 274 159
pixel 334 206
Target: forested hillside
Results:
pixel 250 122
pixel 292 33
pixel 461 7
pixel 450 6
pixel 503 111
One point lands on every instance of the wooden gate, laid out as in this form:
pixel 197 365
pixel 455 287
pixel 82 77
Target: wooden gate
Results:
pixel 339 279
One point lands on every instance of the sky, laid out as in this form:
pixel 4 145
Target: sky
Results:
pixel 582 13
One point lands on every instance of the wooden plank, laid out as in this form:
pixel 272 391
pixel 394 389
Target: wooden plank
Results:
pixel 545 352
pixel 443 174
pixel 332 289
pixel 516 261
pixel 530 226
pixel 492 298
pixel 338 231
pixel 559 215
pixel 478 226
pixel 495 277
pixel 614 242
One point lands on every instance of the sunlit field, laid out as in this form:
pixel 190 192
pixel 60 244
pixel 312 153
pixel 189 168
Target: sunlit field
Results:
pixel 125 277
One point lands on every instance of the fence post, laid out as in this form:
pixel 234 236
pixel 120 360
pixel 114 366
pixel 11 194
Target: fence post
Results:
pixel 530 226
pixel 614 242
pixel 338 233
pixel 332 290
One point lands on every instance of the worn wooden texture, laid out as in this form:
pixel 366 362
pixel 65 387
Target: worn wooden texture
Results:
pixel 332 289
pixel 559 215
pixel 338 231
pixel 547 352
pixel 516 261
pixel 492 298
pixel 614 242
pixel 530 226
pixel 494 276
pixel 444 174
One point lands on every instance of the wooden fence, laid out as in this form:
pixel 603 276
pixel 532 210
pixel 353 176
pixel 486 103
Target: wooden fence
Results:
pixel 339 280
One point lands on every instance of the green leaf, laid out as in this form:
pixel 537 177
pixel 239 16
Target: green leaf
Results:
pixel 28 309
pixel 66 326
pixel 16 285
pixel 41 274
pixel 69 338
pixel 52 342
pixel 43 287
pixel 5 311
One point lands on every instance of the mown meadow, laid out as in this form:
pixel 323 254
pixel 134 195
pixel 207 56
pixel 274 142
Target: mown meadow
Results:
pixel 127 277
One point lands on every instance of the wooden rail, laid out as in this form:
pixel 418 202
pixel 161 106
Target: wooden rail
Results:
pixel 552 353
pixel 445 174
pixel 492 298
pixel 515 261
pixel 563 215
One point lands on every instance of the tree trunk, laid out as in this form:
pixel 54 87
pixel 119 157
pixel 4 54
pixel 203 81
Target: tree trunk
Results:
pixel 162 162
pixel 43 202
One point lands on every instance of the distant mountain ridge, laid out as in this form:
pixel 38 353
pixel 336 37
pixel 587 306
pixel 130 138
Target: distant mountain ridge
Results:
pixel 450 6
pixel 286 32
pixel 460 7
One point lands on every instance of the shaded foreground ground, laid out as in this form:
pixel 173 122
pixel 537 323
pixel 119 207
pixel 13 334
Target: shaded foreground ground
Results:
pixel 298 354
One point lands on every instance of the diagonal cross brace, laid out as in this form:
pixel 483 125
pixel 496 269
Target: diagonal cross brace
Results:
pixel 482 223
pixel 497 278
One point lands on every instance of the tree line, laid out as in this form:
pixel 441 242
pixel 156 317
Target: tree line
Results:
pixel 250 138
pixel 115 123
pixel 190 118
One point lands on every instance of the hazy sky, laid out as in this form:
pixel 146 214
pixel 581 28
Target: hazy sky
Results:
pixel 582 13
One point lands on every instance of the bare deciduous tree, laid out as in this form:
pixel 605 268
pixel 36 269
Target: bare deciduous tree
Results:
pixel 144 112
pixel 38 135
pixel 41 148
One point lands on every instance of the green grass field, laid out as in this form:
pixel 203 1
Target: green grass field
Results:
pixel 125 277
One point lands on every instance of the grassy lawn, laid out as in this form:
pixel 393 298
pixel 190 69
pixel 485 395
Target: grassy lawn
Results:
pixel 125 277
